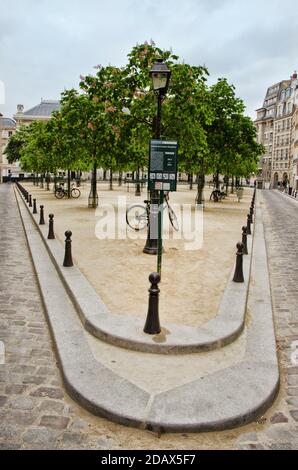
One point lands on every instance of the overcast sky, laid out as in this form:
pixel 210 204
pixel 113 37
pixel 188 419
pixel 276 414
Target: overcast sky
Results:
pixel 45 45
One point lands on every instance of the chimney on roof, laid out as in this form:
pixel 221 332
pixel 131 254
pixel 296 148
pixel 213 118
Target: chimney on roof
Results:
pixel 294 76
pixel 20 108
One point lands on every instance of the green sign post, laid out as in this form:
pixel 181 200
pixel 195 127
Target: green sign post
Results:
pixel 162 177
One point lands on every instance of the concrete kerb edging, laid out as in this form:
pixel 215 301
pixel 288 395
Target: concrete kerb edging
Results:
pixel 227 398
pixel 127 331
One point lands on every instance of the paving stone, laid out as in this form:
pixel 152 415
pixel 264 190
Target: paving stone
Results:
pixel 47 392
pixel 46 371
pixel 281 446
pixel 247 437
pixel 278 418
pixel 292 380
pixel 9 436
pixel 23 418
pixel 293 401
pixel 55 422
pixel 294 414
pixel 22 403
pixel 251 446
pixel 32 379
pixel 40 437
pixel 3 400
pixel 72 439
pixel 15 389
pixel 292 391
pixel 52 406
pixel 292 371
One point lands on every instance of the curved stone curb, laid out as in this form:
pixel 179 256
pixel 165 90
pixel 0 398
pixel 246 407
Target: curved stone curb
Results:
pixel 127 331
pixel 230 397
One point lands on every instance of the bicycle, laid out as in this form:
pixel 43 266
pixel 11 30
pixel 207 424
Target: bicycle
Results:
pixel 217 195
pixel 138 216
pixel 60 192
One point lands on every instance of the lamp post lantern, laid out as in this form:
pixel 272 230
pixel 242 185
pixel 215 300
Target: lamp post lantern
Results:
pixel 160 75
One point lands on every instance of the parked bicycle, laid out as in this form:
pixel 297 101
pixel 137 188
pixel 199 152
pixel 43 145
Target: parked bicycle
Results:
pixel 217 195
pixel 137 215
pixel 60 192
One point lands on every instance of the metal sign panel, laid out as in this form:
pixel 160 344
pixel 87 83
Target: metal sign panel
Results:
pixel 163 165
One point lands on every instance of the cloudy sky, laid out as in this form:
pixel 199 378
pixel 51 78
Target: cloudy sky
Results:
pixel 46 44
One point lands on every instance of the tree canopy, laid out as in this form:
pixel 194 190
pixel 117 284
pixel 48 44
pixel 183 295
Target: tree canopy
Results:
pixel 109 121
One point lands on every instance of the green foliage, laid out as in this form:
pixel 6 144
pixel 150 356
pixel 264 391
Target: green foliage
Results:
pixel 109 122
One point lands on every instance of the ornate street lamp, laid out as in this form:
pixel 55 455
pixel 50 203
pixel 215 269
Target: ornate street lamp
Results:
pixel 160 75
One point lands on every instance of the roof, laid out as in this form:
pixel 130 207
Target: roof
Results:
pixel 7 123
pixel 44 109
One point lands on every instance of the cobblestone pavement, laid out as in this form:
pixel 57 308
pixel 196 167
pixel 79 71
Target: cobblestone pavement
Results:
pixel 35 411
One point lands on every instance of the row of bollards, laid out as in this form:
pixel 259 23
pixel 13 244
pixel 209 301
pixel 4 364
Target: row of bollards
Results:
pixel 152 325
pixel 67 262
pixel 242 247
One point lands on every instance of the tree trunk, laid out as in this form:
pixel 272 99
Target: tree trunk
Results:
pixel 68 184
pixel 217 180
pixel 190 179
pixel 93 197
pixel 120 178
pixel 227 183
pixel 201 184
pixel 111 180
pixel 138 188
pixel 232 186
pixel 48 182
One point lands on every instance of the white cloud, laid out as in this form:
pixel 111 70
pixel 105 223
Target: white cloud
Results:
pixel 45 45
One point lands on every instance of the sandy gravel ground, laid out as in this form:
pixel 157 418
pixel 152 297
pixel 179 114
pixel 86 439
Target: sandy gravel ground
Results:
pixel 193 280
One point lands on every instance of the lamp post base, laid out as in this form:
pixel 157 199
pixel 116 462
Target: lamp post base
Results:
pixel 151 247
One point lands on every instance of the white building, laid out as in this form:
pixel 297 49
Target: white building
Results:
pixel 7 129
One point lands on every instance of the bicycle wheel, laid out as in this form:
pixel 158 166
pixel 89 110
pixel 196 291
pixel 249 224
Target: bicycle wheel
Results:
pixel 136 217
pixel 59 193
pixel 173 219
pixel 75 193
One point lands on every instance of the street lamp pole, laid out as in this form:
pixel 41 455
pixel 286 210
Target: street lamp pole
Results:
pixel 160 75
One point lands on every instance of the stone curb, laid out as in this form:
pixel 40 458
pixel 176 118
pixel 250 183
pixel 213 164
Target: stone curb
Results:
pixel 127 331
pixel 227 398
pixel 286 194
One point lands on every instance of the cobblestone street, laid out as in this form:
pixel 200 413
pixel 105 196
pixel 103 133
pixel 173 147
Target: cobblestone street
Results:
pixel 36 412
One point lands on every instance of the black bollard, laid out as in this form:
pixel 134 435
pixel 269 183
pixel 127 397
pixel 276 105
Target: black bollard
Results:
pixel 248 225
pixel 244 240
pixel 251 212
pixel 27 196
pixel 238 275
pixel 41 219
pixel 34 206
pixel 30 200
pixel 51 234
pixel 152 326
pixel 67 257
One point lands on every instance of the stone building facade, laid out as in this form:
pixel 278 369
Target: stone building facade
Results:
pixel 40 112
pixel 7 129
pixel 275 131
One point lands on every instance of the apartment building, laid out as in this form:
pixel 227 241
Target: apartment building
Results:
pixel 274 125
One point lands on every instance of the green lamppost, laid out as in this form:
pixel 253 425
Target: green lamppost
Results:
pixel 160 75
